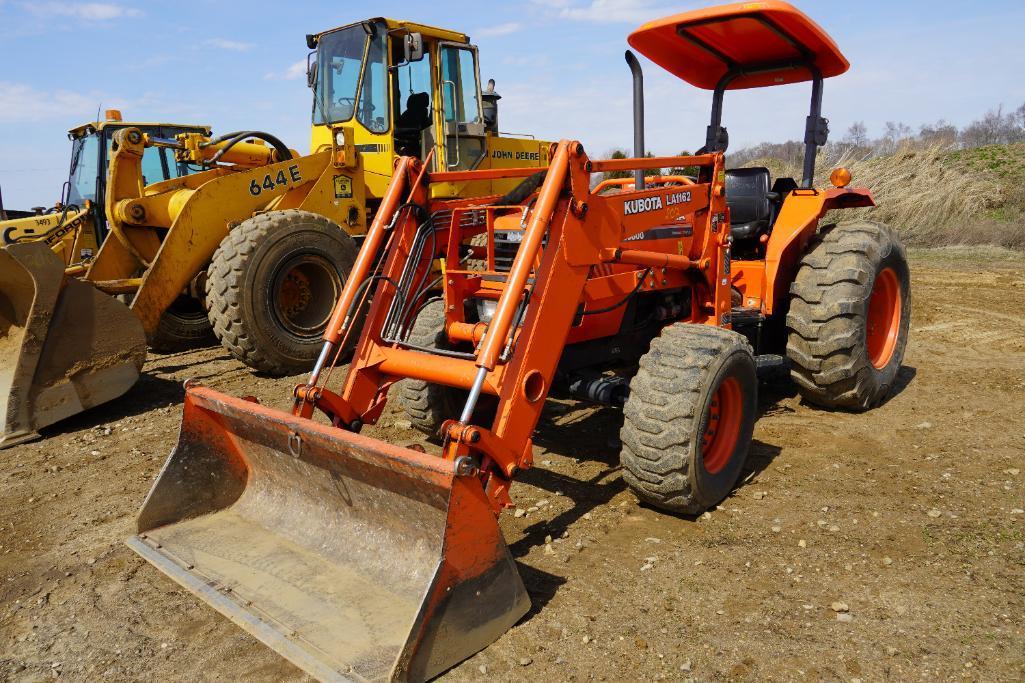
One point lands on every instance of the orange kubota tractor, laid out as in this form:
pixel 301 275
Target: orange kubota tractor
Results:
pixel 364 560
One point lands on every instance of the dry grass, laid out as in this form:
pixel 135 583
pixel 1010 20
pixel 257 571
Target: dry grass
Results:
pixel 937 197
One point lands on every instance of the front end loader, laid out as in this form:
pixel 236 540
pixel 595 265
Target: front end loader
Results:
pixel 76 226
pixel 256 241
pixel 363 560
pixel 59 356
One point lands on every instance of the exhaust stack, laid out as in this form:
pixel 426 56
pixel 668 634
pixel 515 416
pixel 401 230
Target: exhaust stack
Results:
pixel 638 97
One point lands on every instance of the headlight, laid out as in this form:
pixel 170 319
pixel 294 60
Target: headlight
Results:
pixel 486 309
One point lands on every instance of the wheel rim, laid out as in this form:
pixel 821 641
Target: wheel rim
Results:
pixel 305 290
pixel 883 324
pixel 722 425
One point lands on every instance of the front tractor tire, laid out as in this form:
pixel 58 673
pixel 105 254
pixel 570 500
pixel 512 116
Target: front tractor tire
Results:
pixel 272 285
pixel 428 405
pixel 850 309
pixel 688 422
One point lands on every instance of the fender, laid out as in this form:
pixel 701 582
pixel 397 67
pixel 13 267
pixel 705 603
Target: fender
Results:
pixel 798 220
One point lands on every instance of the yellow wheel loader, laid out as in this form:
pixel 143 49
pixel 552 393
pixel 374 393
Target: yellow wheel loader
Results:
pixel 75 227
pixel 259 237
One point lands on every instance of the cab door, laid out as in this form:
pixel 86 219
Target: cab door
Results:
pixel 462 119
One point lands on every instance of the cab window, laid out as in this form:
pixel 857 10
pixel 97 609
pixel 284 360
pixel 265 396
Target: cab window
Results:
pixel 85 156
pixel 459 85
pixel 153 166
pixel 373 97
pixel 413 106
pixel 339 62
pixel 464 127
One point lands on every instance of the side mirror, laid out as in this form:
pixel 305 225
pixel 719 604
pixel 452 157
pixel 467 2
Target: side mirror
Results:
pixel 413 44
pixel 311 71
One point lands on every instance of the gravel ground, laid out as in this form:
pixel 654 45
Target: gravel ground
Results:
pixel 888 545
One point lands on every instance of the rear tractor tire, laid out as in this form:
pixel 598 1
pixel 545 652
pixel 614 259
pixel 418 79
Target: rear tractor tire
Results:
pixel 850 309
pixel 688 422
pixel 272 285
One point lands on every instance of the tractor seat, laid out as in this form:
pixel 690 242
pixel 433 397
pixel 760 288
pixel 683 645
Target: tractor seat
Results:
pixel 750 201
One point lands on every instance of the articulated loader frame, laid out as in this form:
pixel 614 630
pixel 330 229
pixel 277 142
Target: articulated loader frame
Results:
pixel 198 210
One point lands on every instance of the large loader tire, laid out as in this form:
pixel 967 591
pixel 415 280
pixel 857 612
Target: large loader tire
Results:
pixel 428 405
pixel 850 308
pixel 184 325
pixel 272 285
pixel 688 422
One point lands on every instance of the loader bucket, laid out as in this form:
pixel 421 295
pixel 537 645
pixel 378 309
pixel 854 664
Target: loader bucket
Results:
pixel 353 558
pixel 64 346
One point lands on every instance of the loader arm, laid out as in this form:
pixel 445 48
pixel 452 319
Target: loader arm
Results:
pixel 518 350
pixel 360 559
pixel 197 211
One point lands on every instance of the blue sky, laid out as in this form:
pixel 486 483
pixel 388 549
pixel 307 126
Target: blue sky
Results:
pixel 558 63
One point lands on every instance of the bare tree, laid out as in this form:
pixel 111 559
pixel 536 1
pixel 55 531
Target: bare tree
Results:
pixel 995 128
pixel 939 133
pixel 857 134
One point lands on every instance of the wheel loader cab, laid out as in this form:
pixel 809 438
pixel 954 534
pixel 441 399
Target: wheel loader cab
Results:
pixel 407 89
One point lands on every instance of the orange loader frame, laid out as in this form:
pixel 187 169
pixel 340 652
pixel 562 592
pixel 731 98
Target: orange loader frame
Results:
pixel 587 262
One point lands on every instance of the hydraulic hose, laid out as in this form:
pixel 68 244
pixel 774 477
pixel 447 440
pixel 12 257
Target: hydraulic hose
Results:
pixel 232 139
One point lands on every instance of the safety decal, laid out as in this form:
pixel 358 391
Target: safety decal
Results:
pixel 343 187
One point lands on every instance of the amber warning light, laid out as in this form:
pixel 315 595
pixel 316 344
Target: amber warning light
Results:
pixel 840 177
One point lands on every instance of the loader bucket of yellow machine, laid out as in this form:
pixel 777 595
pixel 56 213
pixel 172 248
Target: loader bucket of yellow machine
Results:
pixel 64 346
pixel 353 558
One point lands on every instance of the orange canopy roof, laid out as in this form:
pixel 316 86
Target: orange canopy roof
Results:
pixel 769 43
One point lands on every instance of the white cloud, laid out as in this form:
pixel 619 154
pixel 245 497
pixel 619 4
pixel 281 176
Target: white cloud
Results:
pixel 292 73
pixel 225 44
pixel 611 11
pixel 498 30
pixel 25 104
pixel 87 11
